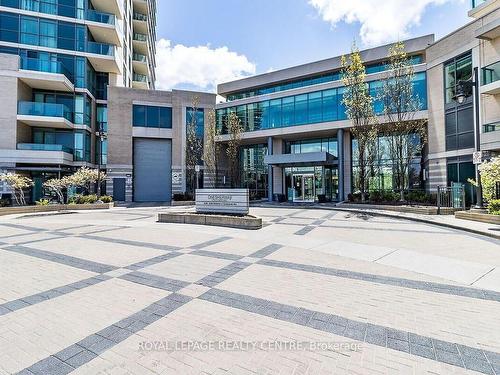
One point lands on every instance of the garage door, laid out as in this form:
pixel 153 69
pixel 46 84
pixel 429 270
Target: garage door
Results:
pixel 152 170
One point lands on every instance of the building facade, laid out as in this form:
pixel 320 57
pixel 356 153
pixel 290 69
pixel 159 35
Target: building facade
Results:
pixel 297 141
pixel 147 136
pixel 57 59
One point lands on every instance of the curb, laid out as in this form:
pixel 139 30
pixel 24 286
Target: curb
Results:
pixel 394 216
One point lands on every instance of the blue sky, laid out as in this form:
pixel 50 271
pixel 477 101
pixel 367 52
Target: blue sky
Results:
pixel 203 42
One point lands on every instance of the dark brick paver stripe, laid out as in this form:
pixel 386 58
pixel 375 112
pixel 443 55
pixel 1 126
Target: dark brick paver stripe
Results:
pixel 155 260
pixel 394 281
pixel 408 342
pixel 210 242
pixel 154 281
pixel 21 303
pixel 62 259
pixel 305 230
pixel 76 355
pixel 268 250
pixel 216 254
pixel 129 242
pixel 223 274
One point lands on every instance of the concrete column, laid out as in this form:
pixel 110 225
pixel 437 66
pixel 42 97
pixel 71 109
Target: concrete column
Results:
pixel 270 170
pixel 340 148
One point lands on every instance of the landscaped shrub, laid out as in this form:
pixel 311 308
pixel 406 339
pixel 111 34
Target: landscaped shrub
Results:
pixel 43 202
pixel 106 199
pixel 376 196
pixel 90 199
pixel 4 203
pixel 182 197
pixel 494 207
pixel 76 199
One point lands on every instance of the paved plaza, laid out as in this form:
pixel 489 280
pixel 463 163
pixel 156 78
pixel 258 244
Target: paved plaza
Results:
pixel 313 292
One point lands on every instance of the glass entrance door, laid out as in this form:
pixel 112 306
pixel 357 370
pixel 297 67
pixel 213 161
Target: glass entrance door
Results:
pixel 303 188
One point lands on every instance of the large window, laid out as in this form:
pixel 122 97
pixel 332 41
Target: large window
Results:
pixel 459 118
pixel 383 173
pixel 311 108
pixel 254 170
pixel 312 145
pixel 152 116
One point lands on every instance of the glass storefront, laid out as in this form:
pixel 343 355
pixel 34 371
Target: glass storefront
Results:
pixel 311 184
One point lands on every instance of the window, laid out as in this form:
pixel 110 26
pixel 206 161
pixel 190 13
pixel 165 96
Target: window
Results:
pixel 48 33
pixel 152 116
pixel 459 69
pixel 29 30
pixel 9 28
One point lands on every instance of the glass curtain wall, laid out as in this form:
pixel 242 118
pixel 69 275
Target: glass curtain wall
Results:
pixel 254 174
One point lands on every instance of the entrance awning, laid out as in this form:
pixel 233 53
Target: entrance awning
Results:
pixel 300 160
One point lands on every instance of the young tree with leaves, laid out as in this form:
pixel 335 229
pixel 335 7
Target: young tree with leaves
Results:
pixel 57 186
pixel 17 184
pixel 235 129
pixel 359 109
pixel 407 134
pixel 211 147
pixel 194 146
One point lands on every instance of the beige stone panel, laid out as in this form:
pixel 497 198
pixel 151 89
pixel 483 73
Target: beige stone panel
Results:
pixel 114 254
pixel 208 322
pixel 451 318
pixel 36 332
pixel 436 128
pixel 187 267
pixel 22 275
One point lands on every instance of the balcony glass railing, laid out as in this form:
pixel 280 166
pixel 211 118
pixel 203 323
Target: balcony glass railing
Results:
pixel 139 57
pixel 43 147
pixel 100 48
pixel 44 109
pixel 140 17
pixel 140 78
pixel 101 17
pixel 46 66
pixel 140 37
pixel 490 73
pixel 493 127
pixel 476 3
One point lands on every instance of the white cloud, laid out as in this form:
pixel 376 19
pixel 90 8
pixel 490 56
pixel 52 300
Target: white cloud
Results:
pixel 381 20
pixel 200 67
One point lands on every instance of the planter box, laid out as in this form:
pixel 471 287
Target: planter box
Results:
pixel 475 216
pixel 407 209
pixel 54 208
pixel 240 222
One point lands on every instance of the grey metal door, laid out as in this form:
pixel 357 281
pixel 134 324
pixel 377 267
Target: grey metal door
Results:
pixel 152 170
pixel 119 189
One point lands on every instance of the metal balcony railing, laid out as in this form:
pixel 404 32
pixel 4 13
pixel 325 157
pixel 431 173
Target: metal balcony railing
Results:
pixel 490 73
pixel 140 37
pixel 46 66
pixel 44 109
pixel 101 17
pixel 139 57
pixel 140 78
pixel 492 127
pixel 43 147
pixel 140 17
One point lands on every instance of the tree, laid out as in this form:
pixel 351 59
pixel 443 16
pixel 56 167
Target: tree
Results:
pixel 85 178
pixel 17 184
pixel 359 109
pixel 407 135
pixel 490 176
pixel 57 185
pixel 211 147
pixel 194 146
pixel 234 129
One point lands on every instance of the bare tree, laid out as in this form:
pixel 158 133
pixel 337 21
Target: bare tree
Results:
pixel 194 146
pixel 235 129
pixel 407 134
pixel 359 106
pixel 211 147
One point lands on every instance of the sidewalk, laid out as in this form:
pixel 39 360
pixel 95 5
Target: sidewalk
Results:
pixel 448 221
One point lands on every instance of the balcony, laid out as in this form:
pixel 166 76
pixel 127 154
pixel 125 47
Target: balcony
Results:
pixel 109 6
pixel 490 79
pixel 140 81
pixel 490 138
pixel 140 43
pixel 481 8
pixel 104 27
pixel 103 57
pixel 140 63
pixel 49 115
pixel 140 6
pixel 140 22
pixel 45 75
pixel 43 147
